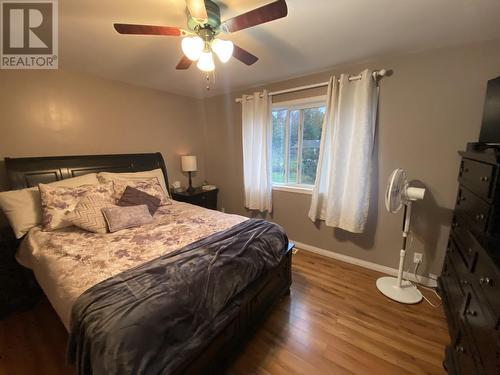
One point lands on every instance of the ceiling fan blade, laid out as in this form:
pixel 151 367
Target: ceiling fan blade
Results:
pixel 244 56
pixel 184 64
pixel 124 28
pixel 273 11
pixel 197 10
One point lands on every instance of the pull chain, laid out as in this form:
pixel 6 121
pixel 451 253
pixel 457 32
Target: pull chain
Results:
pixel 207 78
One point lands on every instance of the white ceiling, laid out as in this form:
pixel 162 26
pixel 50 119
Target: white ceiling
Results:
pixel 316 35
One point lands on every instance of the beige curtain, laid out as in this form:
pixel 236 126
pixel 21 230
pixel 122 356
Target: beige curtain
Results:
pixel 256 131
pixel 342 188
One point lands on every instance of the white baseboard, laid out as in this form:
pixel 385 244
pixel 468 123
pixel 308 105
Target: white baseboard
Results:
pixel 427 281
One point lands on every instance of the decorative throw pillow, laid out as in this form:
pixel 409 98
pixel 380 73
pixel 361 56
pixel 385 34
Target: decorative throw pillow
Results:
pixel 22 207
pixel 150 186
pixel 134 176
pixel 88 215
pixel 119 218
pixel 58 201
pixel 134 197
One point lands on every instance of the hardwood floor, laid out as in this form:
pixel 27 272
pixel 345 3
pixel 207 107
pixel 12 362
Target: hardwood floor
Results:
pixel 334 322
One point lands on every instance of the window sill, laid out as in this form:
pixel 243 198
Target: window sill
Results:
pixel 293 189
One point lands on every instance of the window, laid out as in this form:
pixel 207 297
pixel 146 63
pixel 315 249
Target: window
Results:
pixel 295 142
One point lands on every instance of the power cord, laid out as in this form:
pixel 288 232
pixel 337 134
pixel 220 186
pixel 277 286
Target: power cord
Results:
pixel 425 287
pixel 416 284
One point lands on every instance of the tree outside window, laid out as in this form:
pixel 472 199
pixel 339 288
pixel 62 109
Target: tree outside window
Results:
pixel 296 134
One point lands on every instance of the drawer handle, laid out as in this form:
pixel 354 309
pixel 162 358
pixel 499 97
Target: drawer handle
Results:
pixel 480 217
pixel 469 250
pixel 485 280
pixel 471 312
pixel 460 349
pixel 484 179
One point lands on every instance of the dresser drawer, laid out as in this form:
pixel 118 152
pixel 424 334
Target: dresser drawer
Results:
pixel 478 177
pixel 462 272
pixel 474 208
pixel 486 279
pixel 466 243
pixel 481 327
pixel 207 199
pixel 453 291
pixel 463 354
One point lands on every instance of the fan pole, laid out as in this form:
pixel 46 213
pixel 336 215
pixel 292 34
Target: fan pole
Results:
pixel 396 288
pixel 402 253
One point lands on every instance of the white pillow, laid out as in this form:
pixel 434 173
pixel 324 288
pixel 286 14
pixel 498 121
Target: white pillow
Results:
pixel 134 176
pixel 22 207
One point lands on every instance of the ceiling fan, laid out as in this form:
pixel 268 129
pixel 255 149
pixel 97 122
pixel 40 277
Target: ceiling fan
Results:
pixel 203 28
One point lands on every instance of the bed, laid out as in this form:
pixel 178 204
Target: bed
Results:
pixel 79 261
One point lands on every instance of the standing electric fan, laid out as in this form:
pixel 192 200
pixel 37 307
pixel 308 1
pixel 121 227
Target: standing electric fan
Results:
pixel 400 194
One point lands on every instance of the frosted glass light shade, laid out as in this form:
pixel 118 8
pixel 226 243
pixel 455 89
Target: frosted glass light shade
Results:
pixel 206 62
pixel 192 46
pixel 188 163
pixel 223 49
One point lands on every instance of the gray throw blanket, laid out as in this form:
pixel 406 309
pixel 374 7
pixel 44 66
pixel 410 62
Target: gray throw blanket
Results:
pixel 151 318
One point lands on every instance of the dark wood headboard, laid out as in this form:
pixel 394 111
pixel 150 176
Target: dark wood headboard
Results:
pixel 28 172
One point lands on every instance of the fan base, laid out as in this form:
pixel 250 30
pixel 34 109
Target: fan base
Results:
pixel 213 12
pixel 406 293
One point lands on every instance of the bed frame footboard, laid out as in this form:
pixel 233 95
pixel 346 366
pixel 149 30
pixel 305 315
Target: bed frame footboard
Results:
pixel 256 303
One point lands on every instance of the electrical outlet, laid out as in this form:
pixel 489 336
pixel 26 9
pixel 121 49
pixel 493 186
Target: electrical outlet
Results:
pixel 417 257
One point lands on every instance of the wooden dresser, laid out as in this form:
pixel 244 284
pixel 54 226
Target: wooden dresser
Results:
pixel 470 280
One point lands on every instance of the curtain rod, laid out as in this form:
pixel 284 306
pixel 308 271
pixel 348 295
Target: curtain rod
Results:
pixel 376 74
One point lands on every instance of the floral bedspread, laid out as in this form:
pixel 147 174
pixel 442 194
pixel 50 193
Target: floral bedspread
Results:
pixel 68 261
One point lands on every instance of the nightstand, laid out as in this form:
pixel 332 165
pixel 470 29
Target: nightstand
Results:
pixel 18 288
pixel 199 197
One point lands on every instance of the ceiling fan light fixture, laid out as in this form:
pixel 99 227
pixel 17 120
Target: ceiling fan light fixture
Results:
pixel 223 49
pixel 203 25
pixel 192 46
pixel 206 62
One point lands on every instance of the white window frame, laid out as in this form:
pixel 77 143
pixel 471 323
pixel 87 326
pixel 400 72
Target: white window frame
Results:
pixel 291 105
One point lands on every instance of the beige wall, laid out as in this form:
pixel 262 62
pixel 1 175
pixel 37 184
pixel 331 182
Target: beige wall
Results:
pixel 45 113
pixel 429 108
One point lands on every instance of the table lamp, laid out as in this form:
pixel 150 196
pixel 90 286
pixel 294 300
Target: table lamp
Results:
pixel 188 164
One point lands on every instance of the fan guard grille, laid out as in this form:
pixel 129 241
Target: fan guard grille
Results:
pixel 396 188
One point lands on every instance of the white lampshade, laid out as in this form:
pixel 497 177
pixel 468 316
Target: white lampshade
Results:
pixel 192 46
pixel 223 49
pixel 206 62
pixel 188 163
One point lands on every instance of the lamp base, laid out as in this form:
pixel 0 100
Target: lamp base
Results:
pixel 190 189
pixel 406 293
